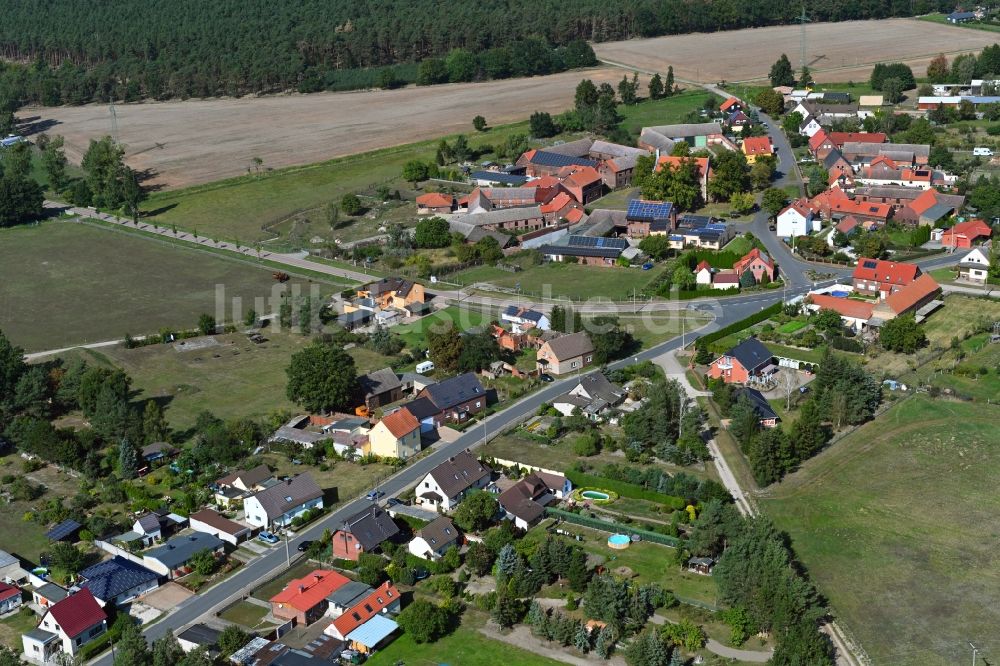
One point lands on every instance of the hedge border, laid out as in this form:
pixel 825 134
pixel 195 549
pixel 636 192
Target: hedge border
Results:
pixel 740 325
pixel 624 489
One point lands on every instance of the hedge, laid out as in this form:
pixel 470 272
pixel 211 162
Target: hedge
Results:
pixel 613 528
pixel 738 326
pixel 624 489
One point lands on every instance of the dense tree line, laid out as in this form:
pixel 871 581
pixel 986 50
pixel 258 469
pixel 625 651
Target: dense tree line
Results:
pixel 129 50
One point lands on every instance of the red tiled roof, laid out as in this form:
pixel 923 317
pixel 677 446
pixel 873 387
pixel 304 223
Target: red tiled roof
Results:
pixel 845 307
pixel 757 145
pixel 970 229
pixel 847 224
pixel 749 258
pixel 726 277
pixel 401 422
pixel 674 162
pixel 861 208
pixel 435 200
pixel 544 181
pixel 574 215
pixel 582 177
pixel 882 159
pixel 840 138
pixel 703 265
pixel 306 592
pixel 917 175
pixel 922 203
pixel 801 206
pixel 8 591
pixel 885 272
pixel 365 609
pixel 77 613
pixel 557 202
pixel 817 140
pixel 728 103
pixel 912 294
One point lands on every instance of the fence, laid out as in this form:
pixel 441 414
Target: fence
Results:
pixel 613 528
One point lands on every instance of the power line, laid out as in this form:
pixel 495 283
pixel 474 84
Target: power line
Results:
pixel 802 20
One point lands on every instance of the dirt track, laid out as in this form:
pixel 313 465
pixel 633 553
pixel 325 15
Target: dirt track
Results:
pixel 198 141
pixel 835 51
pixel 206 140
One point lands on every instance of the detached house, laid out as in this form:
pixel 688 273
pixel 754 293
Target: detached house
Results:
pixel 66 627
pixel 747 363
pixel 434 539
pixel 566 353
pixel 759 264
pixel 448 484
pixel 366 625
pixel 278 505
pixel 524 318
pixel 304 600
pixel 393 292
pixel 797 219
pixel 766 416
pixel 171 560
pixel 755 147
pixel 397 435
pixel 525 501
pixel 232 488
pixel 593 395
pixel 453 400
pixel 363 533
pixel 435 202
pixel 875 277
pixel 975 266
pixel 118 581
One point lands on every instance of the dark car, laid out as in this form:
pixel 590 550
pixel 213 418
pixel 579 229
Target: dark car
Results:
pixel 395 501
pixel 546 378
pixel 305 545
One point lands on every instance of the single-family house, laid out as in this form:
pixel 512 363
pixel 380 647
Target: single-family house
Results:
pixel 118 581
pixel 453 400
pixel 759 264
pixel 377 605
pixel 149 526
pixel 435 202
pixel 279 504
pixel 394 292
pixel 363 533
pixel 525 501
pixel 975 266
pixel 10 598
pixel 593 395
pixel 172 559
pixel 567 353
pixel 649 218
pixel 380 388
pixel 703 273
pixel 756 147
pixel 346 597
pixel 214 523
pixel 448 484
pixel 433 539
pixel 304 600
pixel 246 480
pixel 809 126
pixel 66 626
pixel 731 105
pixel 797 219
pixel 876 277
pixel 966 234
pixel 397 435
pixel 199 636
pixel 749 362
pixel 522 319
pixel 766 416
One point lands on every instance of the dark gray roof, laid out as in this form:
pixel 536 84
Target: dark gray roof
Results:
pixel 158 449
pixel 282 497
pixel 250 477
pixel 347 595
pixel 760 404
pixel 149 523
pixel 597 386
pixel 570 346
pixel 201 634
pixel 832 158
pixel 106 580
pixel 459 473
pixel 751 353
pixel 454 391
pixel 371 527
pixel 422 408
pixel 397 284
pixel 181 549
pixel 550 159
pixel 64 529
pixel 499 177
pixel 523 313
pixel 439 532
pixel 379 381
pixel 52 592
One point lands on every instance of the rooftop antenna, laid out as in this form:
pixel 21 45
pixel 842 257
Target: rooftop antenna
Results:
pixel 803 19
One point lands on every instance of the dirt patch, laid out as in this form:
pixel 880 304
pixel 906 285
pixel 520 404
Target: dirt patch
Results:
pixel 198 141
pixel 834 51
pixel 167 596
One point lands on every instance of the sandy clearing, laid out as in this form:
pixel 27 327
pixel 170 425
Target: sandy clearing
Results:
pixel 206 140
pixel 837 51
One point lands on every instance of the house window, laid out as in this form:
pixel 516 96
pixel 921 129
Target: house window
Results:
pixel 589 359
pixel 479 404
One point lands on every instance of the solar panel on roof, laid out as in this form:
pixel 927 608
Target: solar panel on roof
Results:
pixel 63 530
pixel 597 241
pixel 556 160
pixel 649 210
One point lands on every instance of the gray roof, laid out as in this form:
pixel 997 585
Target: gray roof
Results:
pixel 751 353
pixel 875 149
pixel 149 523
pixel 250 477
pixel 347 595
pixel 832 158
pixel 181 549
pixel 285 496
pixel 652 137
pixel 578 148
pixel 602 221
pixel 200 634
pixel 371 527
pixel 40 635
pixel 52 592
pixel 459 473
pixel 108 579
pixel 7 560
pixel 572 345
pixel 616 150
pixel 439 532
pixel 888 192
pixel 597 386
pixel 760 404
pixel 499 216
pixel 454 391
pixel 379 381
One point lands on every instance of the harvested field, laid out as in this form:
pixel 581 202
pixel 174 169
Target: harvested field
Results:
pixel 835 51
pixel 198 141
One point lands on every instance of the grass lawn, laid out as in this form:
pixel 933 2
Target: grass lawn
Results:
pixel 415 334
pixel 558 280
pixel 792 326
pixel 976 375
pixel 348 480
pixel 13 626
pixel 617 200
pixel 651 330
pixel 268 590
pixel 912 582
pixel 66 284
pixel 244 613
pixel 666 111
pixel 465 646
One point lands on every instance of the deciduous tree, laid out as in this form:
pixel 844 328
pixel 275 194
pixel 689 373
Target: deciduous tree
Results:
pixel 322 377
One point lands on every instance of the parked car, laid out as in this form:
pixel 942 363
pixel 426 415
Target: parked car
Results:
pixel 648 266
pixel 395 501
pixel 545 378
pixel 305 545
pixel 267 537
pixel 374 495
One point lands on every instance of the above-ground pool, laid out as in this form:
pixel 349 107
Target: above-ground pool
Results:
pixel 840 294
pixel 595 495
pixel 619 541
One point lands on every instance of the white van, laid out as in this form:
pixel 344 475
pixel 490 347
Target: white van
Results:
pixel 982 152
pixel 425 367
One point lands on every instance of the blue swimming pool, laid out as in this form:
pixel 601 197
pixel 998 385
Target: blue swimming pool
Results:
pixel 840 294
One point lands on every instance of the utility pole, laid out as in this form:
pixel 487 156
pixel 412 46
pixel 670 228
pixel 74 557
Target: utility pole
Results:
pixel 803 19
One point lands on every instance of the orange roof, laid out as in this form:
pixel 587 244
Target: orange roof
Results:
pixel 401 422
pixel 970 229
pixel 527 155
pixel 732 101
pixel 305 593
pixel 916 175
pixel 800 206
pixel 574 215
pixel 847 224
pixel 544 181
pixel 367 608
pixel 882 159
pixel 840 138
pixel 557 202
pixel 750 257
pixel 582 177
pixel 757 145
pixel 435 200
pixel 675 162
pixel 906 298
pixel 845 307
pixel 863 209
pixel 922 203
pixel 887 273
pixel 702 266
pixel 817 140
